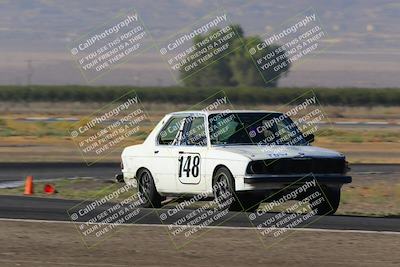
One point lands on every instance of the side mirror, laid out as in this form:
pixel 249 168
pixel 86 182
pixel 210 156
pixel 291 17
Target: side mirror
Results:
pixel 310 138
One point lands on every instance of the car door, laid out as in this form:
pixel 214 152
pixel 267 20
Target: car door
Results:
pixel 190 167
pixel 166 154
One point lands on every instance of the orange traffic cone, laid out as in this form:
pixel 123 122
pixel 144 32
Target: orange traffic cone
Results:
pixel 49 189
pixel 28 185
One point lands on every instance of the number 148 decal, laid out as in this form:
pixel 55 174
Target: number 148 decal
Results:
pixel 189 166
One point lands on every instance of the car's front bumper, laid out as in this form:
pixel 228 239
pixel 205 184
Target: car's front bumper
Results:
pixel 288 179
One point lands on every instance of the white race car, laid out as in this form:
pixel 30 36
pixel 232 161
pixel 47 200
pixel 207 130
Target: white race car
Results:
pixel 251 154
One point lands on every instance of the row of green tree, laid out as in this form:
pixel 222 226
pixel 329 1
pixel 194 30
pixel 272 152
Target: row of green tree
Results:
pixel 191 95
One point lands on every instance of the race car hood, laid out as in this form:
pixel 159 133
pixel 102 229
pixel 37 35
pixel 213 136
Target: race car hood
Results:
pixel 255 152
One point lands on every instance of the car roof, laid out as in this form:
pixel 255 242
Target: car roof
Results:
pixel 208 112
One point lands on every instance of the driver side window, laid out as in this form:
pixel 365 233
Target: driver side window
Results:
pixel 195 134
pixel 170 131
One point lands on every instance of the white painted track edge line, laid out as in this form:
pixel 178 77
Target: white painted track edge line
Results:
pixel 219 227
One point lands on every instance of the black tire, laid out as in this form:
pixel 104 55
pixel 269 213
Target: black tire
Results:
pixel 331 201
pixel 147 190
pixel 224 189
pixel 225 195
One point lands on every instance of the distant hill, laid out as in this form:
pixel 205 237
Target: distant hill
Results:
pixel 364 34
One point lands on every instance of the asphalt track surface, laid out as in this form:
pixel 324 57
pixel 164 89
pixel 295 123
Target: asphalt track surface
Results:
pixel 107 170
pixel 19 207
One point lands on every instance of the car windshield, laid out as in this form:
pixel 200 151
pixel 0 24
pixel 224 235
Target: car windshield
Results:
pixel 254 128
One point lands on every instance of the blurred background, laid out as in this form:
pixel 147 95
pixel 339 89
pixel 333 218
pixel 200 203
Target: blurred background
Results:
pixel 35 34
pixel 43 93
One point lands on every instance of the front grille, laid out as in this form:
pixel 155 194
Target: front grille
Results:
pixel 297 166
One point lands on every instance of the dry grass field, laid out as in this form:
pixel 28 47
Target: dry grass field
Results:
pixel 50 141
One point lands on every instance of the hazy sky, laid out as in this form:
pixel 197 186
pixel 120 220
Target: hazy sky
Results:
pixel 362 38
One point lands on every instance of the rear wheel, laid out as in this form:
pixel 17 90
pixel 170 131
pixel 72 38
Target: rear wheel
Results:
pixel 147 190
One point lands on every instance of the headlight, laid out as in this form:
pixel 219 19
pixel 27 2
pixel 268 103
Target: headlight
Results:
pixel 259 167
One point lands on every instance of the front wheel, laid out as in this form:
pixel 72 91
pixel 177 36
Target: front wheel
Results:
pixel 225 195
pixel 224 189
pixel 331 201
pixel 147 190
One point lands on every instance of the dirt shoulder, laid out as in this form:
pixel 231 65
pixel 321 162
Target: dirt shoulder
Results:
pixel 58 244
